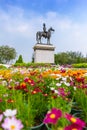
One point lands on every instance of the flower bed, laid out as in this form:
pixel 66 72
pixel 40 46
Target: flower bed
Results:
pixel 46 99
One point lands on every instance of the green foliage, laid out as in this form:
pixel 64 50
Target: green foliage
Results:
pixel 2 67
pixel 20 59
pixel 7 54
pixel 32 65
pixel 80 65
pixel 69 58
pixel 20 65
pixel 81 99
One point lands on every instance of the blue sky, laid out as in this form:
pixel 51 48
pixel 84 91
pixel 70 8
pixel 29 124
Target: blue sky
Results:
pixel 21 19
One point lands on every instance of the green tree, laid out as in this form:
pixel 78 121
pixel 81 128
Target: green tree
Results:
pixel 69 57
pixel 20 59
pixel 61 58
pixel 7 54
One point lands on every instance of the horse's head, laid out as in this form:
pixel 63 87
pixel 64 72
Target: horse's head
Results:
pixel 51 29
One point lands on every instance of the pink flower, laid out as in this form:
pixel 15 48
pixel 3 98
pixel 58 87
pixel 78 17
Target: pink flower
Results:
pixel 73 127
pixel 1 116
pixel 52 116
pixel 12 124
pixel 75 120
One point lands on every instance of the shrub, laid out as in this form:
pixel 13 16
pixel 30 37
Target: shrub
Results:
pixel 80 65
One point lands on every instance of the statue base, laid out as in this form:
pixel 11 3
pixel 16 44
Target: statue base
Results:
pixel 44 53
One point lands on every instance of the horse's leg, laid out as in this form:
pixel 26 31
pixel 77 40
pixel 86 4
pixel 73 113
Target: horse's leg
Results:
pixel 40 39
pixel 37 37
pixel 47 40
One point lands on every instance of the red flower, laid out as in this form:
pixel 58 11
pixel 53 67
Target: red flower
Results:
pixel 45 94
pixel 80 79
pixel 30 81
pixel 17 87
pixel 23 85
pixel 10 101
pixel 36 90
pixel 62 70
pixel 1 100
pixel 26 79
pixel 52 116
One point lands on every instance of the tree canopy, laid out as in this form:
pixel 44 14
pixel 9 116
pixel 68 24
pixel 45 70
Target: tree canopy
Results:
pixel 69 57
pixel 7 54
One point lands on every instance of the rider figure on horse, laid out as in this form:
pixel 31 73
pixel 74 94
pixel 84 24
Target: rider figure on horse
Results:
pixel 44 29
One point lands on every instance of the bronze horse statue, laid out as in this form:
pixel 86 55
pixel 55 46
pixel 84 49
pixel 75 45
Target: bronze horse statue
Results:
pixel 47 35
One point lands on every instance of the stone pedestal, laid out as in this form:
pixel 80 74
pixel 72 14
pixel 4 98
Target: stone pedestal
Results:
pixel 44 53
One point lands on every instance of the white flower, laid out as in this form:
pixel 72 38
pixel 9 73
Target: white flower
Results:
pixel 58 84
pixel 64 78
pixel 1 77
pixel 85 74
pixel 52 74
pixel 10 113
pixel 67 84
pixel 4 83
pixel 56 91
pixel 52 88
pixel 5 95
pixel 58 75
pixel 74 88
pixel 57 78
pixel 70 78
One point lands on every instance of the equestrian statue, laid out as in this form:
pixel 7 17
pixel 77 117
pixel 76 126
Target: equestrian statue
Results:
pixel 45 34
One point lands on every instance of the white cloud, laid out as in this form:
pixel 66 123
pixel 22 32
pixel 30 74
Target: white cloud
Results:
pixel 18 29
